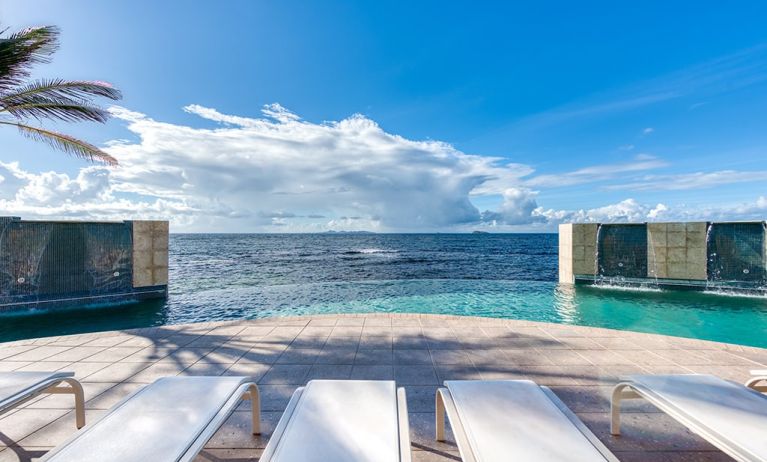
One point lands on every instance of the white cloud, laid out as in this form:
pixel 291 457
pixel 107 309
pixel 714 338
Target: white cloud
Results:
pixel 272 171
pixel 648 130
pixel 596 173
pixel 282 173
pixel 697 180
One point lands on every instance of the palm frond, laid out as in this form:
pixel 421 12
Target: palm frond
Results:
pixel 81 90
pixel 66 143
pixel 64 110
pixel 20 51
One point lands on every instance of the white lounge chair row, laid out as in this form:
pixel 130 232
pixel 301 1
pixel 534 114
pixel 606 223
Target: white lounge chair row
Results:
pixel 346 420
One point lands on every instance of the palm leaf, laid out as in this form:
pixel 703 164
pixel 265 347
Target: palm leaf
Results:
pixel 66 143
pixel 20 51
pixel 66 111
pixel 58 88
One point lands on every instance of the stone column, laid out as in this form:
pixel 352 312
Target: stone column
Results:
pixel 150 253
pixel 577 250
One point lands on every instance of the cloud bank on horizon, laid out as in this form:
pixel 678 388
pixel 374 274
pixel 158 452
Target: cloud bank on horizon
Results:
pixel 280 173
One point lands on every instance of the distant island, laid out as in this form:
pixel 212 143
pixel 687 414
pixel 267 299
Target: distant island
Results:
pixel 480 232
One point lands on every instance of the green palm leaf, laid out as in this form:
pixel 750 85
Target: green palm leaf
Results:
pixel 69 101
pixel 20 51
pixel 66 143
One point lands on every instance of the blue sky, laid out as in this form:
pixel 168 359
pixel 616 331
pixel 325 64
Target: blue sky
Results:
pixel 391 116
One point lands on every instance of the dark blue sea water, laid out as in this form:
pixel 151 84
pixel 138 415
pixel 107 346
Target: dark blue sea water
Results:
pixel 242 276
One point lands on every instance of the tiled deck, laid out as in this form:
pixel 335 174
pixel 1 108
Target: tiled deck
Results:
pixel 580 364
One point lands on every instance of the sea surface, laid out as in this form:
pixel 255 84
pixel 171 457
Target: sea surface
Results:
pixel 245 276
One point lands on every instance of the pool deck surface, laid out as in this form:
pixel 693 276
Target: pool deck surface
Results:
pixel 580 364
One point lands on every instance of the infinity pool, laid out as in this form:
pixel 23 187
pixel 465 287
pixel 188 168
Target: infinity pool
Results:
pixel 722 318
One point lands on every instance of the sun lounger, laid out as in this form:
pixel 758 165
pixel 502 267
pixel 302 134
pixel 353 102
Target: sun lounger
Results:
pixel 168 420
pixel 758 380
pixel 17 388
pixel 730 416
pixel 502 420
pixel 342 421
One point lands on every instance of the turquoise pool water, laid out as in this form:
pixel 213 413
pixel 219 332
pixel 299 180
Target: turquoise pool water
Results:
pixel 722 318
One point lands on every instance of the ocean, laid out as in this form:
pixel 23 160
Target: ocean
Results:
pixel 245 276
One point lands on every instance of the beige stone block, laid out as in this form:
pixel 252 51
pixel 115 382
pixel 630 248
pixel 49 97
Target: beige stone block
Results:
pixel 697 256
pixel 677 270
pixel 579 237
pixel 657 239
pixel 160 258
pixel 142 227
pixel 696 271
pixel 583 267
pixel 695 239
pixel 697 227
pixel 589 253
pixel 566 253
pixel 160 275
pixel 142 259
pixel 160 227
pixel 676 239
pixel 676 255
pixel 676 227
pixel 160 242
pixel 590 233
pixel 141 241
pixel 579 252
pixel 142 277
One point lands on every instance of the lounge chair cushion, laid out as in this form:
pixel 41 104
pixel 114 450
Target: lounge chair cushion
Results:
pixel 342 421
pixel 158 423
pixel 516 420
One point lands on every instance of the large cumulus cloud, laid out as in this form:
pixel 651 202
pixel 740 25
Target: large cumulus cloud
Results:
pixel 279 172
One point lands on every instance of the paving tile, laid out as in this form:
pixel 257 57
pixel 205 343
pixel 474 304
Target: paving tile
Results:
pixel 360 372
pixel 412 357
pixel 415 375
pixel 38 354
pixel 117 372
pixel 286 374
pixel 14 427
pixel 298 356
pixel 336 356
pixel 330 372
pixel 446 357
pixel 374 357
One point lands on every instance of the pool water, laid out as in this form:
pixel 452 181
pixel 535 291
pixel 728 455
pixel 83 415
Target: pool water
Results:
pixel 721 318
pixel 228 277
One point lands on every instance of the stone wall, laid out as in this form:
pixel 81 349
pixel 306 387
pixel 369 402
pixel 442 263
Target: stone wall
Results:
pixel 150 253
pixel 677 250
pixel 577 250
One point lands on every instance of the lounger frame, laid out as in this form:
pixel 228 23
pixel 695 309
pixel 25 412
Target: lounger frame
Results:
pixel 61 383
pixel 402 417
pixel 633 390
pixel 758 381
pixel 445 406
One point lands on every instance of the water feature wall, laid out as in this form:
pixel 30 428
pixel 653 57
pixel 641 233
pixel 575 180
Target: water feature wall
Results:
pixel 64 263
pixel 695 255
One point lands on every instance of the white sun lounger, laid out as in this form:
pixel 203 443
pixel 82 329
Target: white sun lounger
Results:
pixel 17 388
pixel 755 382
pixel 502 420
pixel 730 416
pixel 342 421
pixel 169 420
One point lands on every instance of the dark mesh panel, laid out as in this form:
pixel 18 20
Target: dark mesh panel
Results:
pixel 622 251
pixel 736 252
pixel 40 260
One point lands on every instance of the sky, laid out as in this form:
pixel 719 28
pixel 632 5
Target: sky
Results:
pixel 309 116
